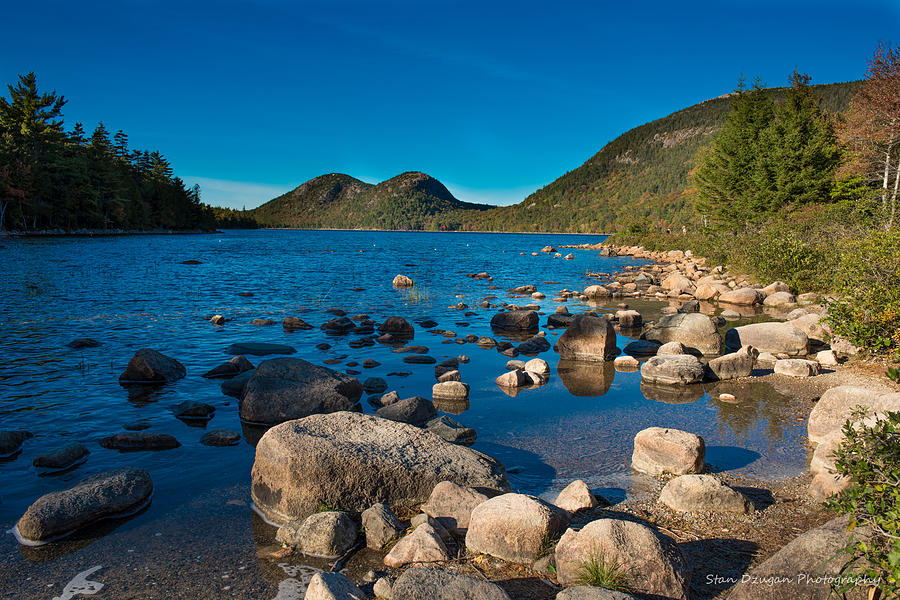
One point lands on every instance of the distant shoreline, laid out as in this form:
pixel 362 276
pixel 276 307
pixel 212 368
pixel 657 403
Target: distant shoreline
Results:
pixel 100 233
pixel 420 231
pixel 118 233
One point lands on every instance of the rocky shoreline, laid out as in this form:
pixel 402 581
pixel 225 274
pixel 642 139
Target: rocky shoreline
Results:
pixel 443 518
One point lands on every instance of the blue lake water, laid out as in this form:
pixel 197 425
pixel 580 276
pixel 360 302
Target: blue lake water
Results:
pixel 133 292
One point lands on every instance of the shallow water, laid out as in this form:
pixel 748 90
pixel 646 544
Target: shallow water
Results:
pixel 133 292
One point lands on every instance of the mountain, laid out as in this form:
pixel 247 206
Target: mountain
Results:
pixel 642 174
pixel 411 200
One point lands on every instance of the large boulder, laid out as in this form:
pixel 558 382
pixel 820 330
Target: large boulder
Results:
pixel 706 493
pixel 109 494
pixel 150 366
pixel 452 505
pixel 837 405
pixel 352 460
pixel 676 282
pixel 282 389
pixel 697 332
pixel 516 320
pixel 734 365
pixel 743 297
pixel 327 534
pixel 813 327
pixel 805 567
pixel 777 338
pixel 672 369
pixel 514 527
pixel 588 338
pixel 652 563
pixel 421 583
pixel 658 451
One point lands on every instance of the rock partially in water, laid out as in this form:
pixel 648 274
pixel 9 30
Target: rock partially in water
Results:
pixel 291 388
pixel 326 534
pixel 658 451
pixel 734 365
pixel 295 324
pixel 139 440
pixel 150 366
pixel 654 563
pixel 262 322
pixel 259 348
pixel 220 438
pixel 704 493
pixel 11 442
pixel 515 320
pixel 235 366
pixel 419 359
pixel 534 345
pixel 398 327
pixel 402 281
pixel 451 430
pixel 514 527
pixel 450 390
pixel 411 350
pixel 109 494
pixel 354 460
pixel 588 338
pixel 62 458
pixel 235 386
pixel 629 318
pixel 671 348
pixel 642 348
pixel 626 363
pixel 338 325
pixel 374 385
pixel 382 526
pixel 420 583
pixel 217 320
pixel 676 369
pixel 696 331
pixel 539 366
pixel 414 411
pixel 190 409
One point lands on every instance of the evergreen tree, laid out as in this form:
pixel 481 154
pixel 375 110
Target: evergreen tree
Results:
pixel 727 179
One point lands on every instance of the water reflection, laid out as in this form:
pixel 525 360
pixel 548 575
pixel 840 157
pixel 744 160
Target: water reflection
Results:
pixel 755 404
pixel 454 406
pixel 584 378
pixel 672 394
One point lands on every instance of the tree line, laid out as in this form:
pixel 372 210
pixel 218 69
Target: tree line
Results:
pixel 54 178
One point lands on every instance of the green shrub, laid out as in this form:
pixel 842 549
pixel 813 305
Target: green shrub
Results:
pixel 867 281
pixel 780 252
pixel 870 458
pixel 597 572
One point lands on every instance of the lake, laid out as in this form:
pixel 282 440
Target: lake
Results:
pixel 200 537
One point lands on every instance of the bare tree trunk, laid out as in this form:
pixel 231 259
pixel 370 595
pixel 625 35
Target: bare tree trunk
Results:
pixel 3 206
pixel 884 181
pixel 894 196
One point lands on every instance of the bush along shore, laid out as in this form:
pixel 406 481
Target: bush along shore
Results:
pixel 443 519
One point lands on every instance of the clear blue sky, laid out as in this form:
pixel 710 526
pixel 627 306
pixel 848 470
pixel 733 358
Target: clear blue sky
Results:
pixel 494 99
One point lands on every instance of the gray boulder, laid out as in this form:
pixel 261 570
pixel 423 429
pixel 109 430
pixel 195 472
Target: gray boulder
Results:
pixel 803 565
pixel 421 583
pixel 514 527
pixel 776 338
pixel 652 562
pixel 588 338
pixel 517 320
pixel 382 526
pixel 11 442
pixel 282 389
pixel 398 327
pixel 452 505
pixel 415 411
pixel 62 458
pixel 673 369
pixel 797 367
pixel 451 430
pixel 587 592
pixel 235 366
pixel 150 366
pixel 326 534
pixel 332 586
pixel 837 405
pixel 658 451
pixel 696 331
pixel 706 493
pixel 109 494
pixel 423 545
pixel 734 365
pixel 353 460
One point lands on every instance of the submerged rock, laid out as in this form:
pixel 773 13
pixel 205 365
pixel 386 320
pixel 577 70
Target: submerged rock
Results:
pixel 82 343
pixel 62 458
pixel 109 494
pixel 259 348
pixel 150 366
pixel 235 366
pixel 220 437
pixel 139 440
pixel 11 442
pixel 353 460
pixel 291 388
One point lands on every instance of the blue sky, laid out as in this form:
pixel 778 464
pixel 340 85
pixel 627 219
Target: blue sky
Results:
pixel 495 99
